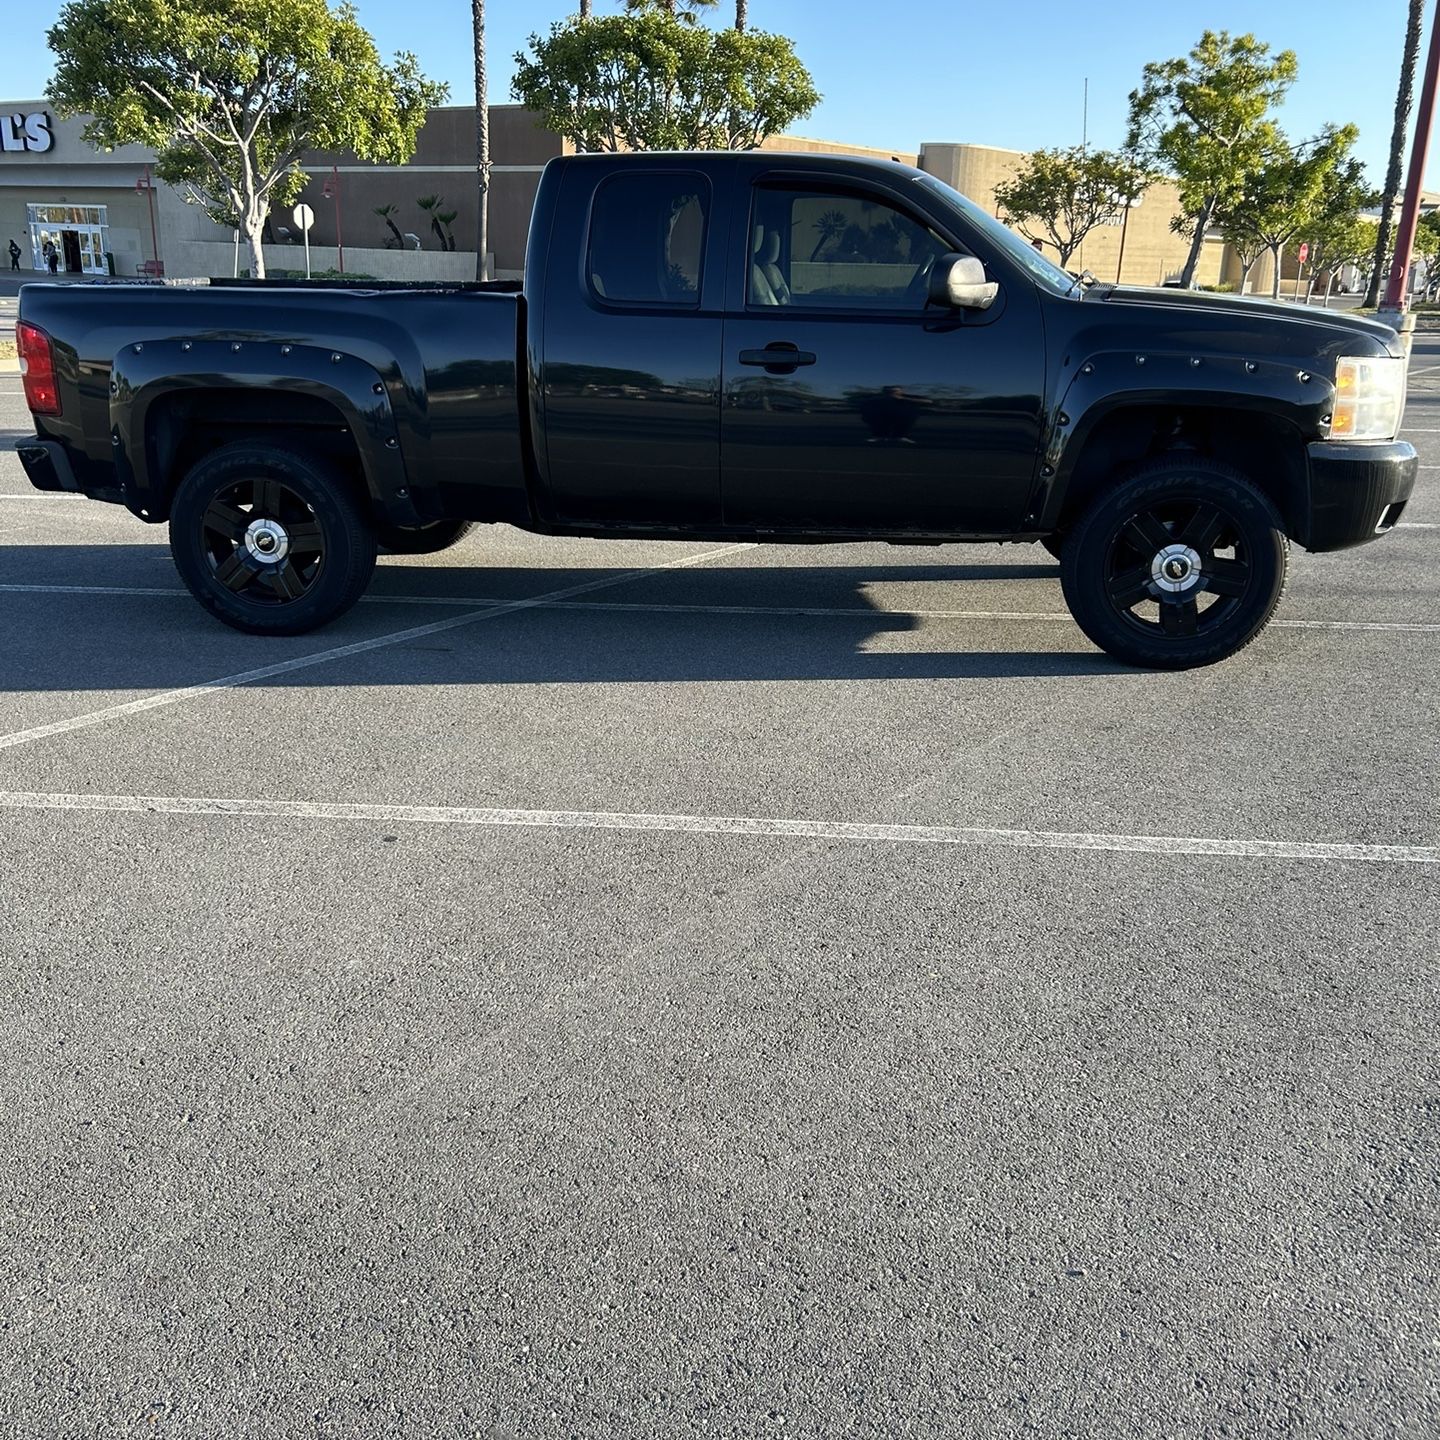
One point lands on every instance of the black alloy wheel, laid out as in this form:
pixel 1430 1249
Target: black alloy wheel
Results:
pixel 270 540
pixel 1177 567
pixel 1182 565
pixel 263 541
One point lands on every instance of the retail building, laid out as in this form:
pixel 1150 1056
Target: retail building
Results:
pixel 103 211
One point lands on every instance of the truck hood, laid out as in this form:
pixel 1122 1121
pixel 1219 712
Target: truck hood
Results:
pixel 1244 309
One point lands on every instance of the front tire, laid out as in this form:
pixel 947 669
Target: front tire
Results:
pixel 1182 565
pixel 422 539
pixel 270 541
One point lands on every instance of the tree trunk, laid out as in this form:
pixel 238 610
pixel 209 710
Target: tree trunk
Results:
pixel 1192 260
pixel 1246 266
pixel 742 13
pixel 584 9
pixel 254 231
pixel 1277 253
pixel 482 144
pixel 1397 152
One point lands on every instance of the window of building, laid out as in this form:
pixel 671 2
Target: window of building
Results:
pixel 822 249
pixel 647 239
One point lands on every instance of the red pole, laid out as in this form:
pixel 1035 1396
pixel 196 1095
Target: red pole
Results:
pixel 1396 289
pixel 339 236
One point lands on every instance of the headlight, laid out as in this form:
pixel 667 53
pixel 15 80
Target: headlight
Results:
pixel 1369 398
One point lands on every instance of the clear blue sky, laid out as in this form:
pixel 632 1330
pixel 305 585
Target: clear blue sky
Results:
pixel 894 75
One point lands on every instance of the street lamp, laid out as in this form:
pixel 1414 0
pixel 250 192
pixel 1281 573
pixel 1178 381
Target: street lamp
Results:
pixel 146 186
pixel 1129 202
pixel 331 191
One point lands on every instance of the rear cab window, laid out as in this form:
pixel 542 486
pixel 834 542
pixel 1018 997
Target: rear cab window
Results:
pixel 647 239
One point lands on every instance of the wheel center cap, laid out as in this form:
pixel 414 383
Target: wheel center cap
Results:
pixel 1176 568
pixel 266 541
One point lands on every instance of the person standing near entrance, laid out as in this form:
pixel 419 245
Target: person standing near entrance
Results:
pixel 52 257
pixel 14 256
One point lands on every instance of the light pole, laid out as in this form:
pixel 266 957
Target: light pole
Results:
pixel 1395 290
pixel 1130 203
pixel 331 191
pixel 146 185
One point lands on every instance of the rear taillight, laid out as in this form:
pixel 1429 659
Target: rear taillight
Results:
pixel 37 369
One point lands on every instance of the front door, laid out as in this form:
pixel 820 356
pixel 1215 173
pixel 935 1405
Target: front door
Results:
pixel 70 260
pixel 852 405
pixel 631 374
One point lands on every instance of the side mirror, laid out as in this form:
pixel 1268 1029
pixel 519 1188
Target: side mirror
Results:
pixel 957 282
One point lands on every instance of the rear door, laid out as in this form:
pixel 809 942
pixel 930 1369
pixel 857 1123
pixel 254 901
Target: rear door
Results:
pixel 849 404
pixel 632 327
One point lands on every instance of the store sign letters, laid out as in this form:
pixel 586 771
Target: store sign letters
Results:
pixel 26 132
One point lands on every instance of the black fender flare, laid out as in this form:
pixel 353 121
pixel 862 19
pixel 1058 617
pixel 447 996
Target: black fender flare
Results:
pixel 149 371
pixel 1108 382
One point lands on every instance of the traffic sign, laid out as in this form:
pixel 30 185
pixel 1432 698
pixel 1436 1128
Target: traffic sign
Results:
pixel 1304 251
pixel 303 216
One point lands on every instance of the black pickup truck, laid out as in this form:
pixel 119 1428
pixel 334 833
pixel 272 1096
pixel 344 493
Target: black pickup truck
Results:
pixel 760 346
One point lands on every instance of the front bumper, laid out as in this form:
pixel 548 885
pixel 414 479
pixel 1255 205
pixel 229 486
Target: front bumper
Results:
pixel 1357 491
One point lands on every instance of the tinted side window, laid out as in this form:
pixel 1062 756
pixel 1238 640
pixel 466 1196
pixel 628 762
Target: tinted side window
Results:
pixel 816 249
pixel 647 239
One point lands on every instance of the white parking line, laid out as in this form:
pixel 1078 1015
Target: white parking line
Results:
pixel 846 612
pixel 358 647
pixel 752 826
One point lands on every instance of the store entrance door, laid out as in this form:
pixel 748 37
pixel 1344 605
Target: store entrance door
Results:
pixel 78 233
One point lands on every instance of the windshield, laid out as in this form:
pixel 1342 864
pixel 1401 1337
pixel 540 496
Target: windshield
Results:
pixel 1016 247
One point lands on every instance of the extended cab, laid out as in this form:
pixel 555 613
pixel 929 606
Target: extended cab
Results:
pixel 768 347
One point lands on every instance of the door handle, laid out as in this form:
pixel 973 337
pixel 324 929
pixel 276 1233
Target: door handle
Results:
pixel 778 358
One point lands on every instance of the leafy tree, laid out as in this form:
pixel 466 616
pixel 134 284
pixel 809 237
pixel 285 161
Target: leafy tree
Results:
pixel 230 93
pixel 1062 195
pixel 1204 117
pixel 1284 198
pixel 650 81
pixel 1247 245
pixel 1427 247
pixel 1340 241
pixel 1408 62
pixel 1338 234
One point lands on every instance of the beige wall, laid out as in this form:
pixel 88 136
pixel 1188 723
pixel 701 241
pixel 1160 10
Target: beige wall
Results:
pixel 74 173
pixel 1154 253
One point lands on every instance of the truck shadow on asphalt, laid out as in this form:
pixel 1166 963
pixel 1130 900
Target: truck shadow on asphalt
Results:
pixel 699 624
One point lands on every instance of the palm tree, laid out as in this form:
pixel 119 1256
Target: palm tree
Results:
pixel 686 10
pixel 388 213
pixel 1397 151
pixel 584 9
pixel 831 226
pixel 482 142
pixel 742 13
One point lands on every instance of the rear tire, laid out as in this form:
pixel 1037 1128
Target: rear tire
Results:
pixel 271 541
pixel 1182 565
pixel 422 539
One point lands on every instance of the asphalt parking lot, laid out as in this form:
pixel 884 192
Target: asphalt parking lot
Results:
pixel 611 989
